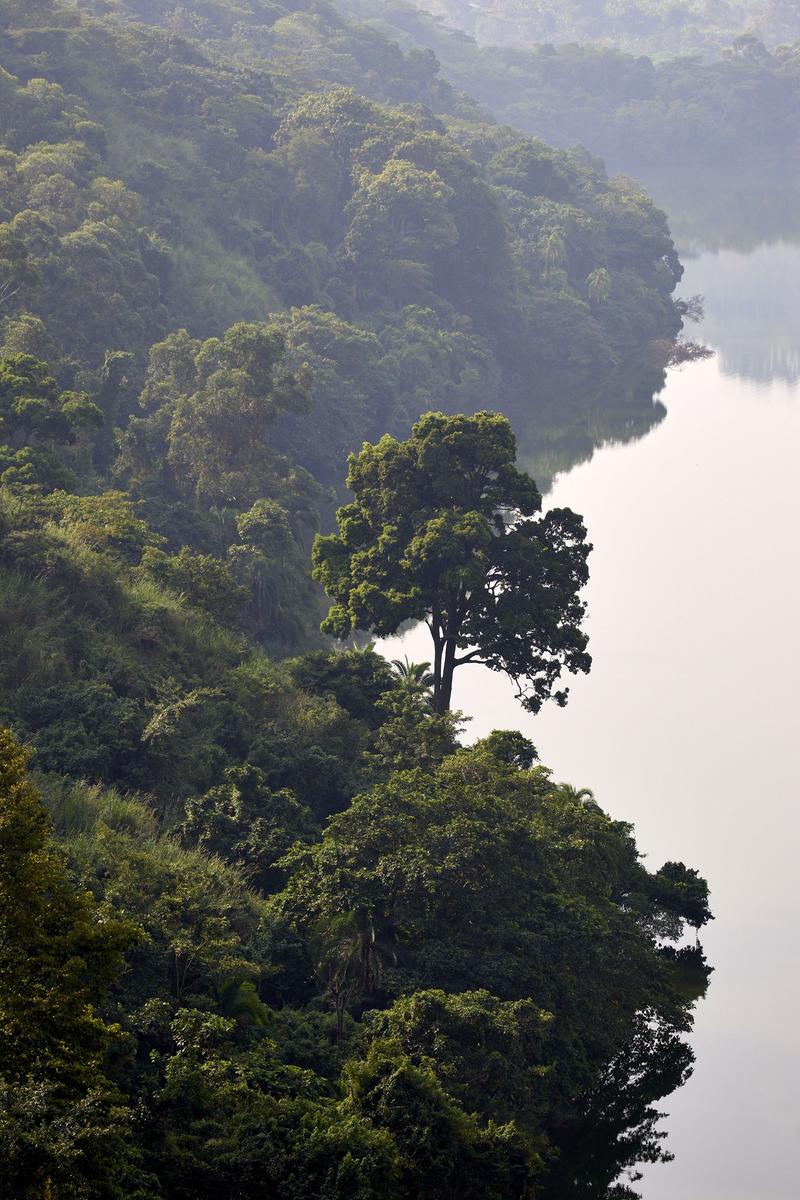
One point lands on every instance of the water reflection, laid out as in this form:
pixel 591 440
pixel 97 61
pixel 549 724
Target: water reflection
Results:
pixel 624 408
pixel 687 724
pixel 752 304
pixel 687 727
pixel 740 244
pixel 715 210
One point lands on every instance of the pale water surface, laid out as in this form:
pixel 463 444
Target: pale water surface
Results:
pixel 687 725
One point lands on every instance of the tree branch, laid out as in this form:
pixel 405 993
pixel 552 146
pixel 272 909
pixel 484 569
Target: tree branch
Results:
pixel 473 656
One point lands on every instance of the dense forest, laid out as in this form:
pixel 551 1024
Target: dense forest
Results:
pixel 633 110
pixel 660 28
pixel 539 285
pixel 268 927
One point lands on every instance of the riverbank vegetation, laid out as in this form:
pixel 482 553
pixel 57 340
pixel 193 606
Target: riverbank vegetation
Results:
pixel 267 926
pixel 195 180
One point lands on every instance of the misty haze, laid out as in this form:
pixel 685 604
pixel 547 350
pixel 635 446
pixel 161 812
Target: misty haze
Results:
pixel 399 407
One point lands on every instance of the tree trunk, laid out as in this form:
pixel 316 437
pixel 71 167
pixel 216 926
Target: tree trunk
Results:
pixel 443 677
pixel 448 668
pixel 444 647
pixel 436 634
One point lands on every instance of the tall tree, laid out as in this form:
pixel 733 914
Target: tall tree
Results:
pixel 443 528
pixel 62 1124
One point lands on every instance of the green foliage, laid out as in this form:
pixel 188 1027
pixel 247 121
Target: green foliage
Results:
pixel 16 270
pixel 219 1106
pixel 442 1149
pixel 685 27
pixel 356 679
pixel 490 880
pixel 510 747
pixel 644 84
pixel 293 940
pixel 36 422
pixel 443 529
pixel 123 664
pixel 249 824
pixel 216 437
pixel 412 733
pixel 214 187
pixel 205 581
pixel 492 1054
pixel 211 406
pixel 62 1123
pixel 222 1129
pixel 202 461
pixel 201 927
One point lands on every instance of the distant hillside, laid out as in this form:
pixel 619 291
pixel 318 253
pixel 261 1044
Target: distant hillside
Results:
pixel 172 176
pixel 660 28
pixel 639 114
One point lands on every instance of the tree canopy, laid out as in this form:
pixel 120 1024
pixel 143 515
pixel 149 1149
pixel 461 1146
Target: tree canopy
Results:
pixel 61 1118
pixel 444 528
pixel 257 160
pixel 504 929
pixel 266 927
pixel 649 86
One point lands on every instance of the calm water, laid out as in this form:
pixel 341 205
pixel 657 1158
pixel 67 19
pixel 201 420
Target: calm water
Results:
pixel 687 725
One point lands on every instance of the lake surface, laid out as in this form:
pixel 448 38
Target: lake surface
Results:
pixel 688 723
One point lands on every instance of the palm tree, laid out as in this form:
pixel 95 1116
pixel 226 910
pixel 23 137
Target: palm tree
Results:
pixel 554 250
pixel 598 285
pixel 413 677
pixel 578 795
pixel 349 950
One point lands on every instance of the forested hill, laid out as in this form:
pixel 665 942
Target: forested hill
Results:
pixel 174 182
pixel 658 28
pixel 267 928
pixel 641 114
pixel 216 284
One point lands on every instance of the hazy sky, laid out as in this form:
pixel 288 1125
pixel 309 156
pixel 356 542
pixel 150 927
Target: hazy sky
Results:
pixel 688 723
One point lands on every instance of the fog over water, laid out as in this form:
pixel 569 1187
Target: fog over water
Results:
pixel 752 300
pixel 687 725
